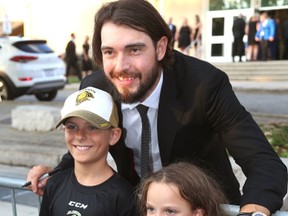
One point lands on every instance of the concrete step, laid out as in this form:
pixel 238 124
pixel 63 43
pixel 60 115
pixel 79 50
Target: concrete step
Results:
pixel 256 71
pixel 22 148
pixel 257 77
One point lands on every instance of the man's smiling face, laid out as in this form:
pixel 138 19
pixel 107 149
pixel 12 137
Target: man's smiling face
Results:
pixel 130 61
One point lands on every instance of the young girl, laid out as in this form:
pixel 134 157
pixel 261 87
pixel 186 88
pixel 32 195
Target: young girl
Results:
pixel 181 189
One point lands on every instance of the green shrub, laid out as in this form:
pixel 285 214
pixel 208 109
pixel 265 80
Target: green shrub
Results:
pixel 277 134
pixel 280 136
pixel 73 79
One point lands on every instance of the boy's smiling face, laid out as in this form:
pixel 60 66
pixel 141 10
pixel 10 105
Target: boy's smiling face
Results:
pixel 86 143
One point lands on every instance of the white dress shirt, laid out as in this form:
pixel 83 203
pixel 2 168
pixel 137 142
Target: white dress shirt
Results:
pixel 132 122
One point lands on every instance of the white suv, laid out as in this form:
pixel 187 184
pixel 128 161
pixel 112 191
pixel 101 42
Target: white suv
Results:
pixel 29 67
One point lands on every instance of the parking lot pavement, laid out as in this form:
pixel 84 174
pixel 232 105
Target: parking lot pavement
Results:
pixel 22 210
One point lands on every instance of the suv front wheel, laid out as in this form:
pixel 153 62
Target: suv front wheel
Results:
pixel 46 96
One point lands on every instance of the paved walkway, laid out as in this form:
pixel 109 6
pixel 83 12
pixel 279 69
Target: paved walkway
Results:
pixel 22 210
pixel 260 86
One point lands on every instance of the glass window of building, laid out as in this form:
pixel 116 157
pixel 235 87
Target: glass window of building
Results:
pixel 218 26
pixel 217 50
pixel 229 4
pixel 269 3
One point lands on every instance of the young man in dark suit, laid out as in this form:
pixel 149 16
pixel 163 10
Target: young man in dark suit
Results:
pixel 193 112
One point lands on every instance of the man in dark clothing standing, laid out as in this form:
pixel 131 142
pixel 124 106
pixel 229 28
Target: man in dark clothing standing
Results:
pixel 71 57
pixel 286 38
pixel 238 30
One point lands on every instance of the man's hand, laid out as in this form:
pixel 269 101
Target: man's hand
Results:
pixel 254 207
pixel 34 174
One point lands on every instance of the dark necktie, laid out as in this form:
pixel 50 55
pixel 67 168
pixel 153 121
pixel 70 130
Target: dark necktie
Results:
pixel 145 140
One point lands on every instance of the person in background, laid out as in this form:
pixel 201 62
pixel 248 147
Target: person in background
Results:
pixel 253 45
pixel 265 34
pixel 86 60
pixel 90 125
pixel 71 58
pixel 181 188
pixel 197 36
pixel 285 36
pixel 173 30
pixel 274 45
pixel 238 29
pixel 191 108
pixel 184 37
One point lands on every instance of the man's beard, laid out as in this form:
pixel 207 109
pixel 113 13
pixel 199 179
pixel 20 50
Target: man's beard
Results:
pixel 125 96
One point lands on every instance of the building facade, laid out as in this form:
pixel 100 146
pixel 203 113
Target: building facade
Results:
pixel 219 21
pixel 54 20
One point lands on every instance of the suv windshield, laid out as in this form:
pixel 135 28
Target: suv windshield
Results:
pixel 33 46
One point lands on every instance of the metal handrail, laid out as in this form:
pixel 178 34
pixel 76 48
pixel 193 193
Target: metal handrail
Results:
pixel 14 184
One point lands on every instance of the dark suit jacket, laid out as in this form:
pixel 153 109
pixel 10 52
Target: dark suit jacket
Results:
pixel 199 119
pixel 238 27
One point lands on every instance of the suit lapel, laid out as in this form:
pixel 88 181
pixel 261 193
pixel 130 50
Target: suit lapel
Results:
pixel 169 114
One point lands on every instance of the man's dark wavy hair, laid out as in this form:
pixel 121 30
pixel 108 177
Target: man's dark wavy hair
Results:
pixel 136 14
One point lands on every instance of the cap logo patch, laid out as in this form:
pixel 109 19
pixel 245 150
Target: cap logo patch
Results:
pixel 105 124
pixel 83 96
